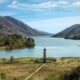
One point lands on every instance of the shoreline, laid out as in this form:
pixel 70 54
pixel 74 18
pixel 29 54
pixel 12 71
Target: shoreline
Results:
pixel 59 58
pixel 3 48
pixel 41 57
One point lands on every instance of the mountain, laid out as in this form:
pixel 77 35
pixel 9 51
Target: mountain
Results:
pixel 69 32
pixel 10 25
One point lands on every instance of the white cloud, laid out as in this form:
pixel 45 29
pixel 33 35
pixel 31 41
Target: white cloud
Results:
pixel 46 5
pixel 4 1
pixel 14 2
pixel 76 4
pixel 49 4
pixel 62 2
pixel 54 25
pixel 6 13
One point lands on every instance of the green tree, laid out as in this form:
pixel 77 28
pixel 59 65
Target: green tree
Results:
pixel 16 41
pixel 29 42
pixel 12 60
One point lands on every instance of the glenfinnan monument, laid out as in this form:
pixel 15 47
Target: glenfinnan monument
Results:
pixel 44 55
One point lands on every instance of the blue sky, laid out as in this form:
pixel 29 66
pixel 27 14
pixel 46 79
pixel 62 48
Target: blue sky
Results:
pixel 46 15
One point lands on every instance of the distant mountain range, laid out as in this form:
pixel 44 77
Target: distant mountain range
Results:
pixel 10 25
pixel 70 32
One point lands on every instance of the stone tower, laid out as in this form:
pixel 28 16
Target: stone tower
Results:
pixel 44 55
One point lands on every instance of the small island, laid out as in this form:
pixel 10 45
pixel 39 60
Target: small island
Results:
pixel 16 42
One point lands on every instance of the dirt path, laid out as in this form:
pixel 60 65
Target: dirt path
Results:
pixel 34 72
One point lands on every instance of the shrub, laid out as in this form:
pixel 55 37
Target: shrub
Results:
pixel 36 61
pixel 1 43
pixel 3 76
pixel 15 78
pixel 4 60
pixel 12 60
pixel 74 75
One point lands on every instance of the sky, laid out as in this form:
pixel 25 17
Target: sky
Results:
pixel 46 15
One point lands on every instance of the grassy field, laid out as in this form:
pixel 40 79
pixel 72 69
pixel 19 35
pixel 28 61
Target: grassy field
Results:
pixel 61 66
pixel 2 48
pixel 23 67
pixel 20 71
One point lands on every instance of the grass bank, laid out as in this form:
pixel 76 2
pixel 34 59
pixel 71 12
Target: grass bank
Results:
pixel 3 48
pixel 23 67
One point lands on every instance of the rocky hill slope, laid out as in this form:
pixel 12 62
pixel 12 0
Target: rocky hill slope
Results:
pixel 70 32
pixel 10 25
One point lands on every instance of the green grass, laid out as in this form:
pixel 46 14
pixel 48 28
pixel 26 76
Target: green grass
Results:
pixel 2 48
pixel 58 68
pixel 23 67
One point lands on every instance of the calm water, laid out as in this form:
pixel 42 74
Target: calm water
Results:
pixel 56 47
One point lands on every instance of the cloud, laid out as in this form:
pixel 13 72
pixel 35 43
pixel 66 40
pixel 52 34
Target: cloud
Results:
pixel 76 4
pixel 62 2
pixel 14 2
pixel 4 1
pixel 49 4
pixel 6 13
pixel 54 25
pixel 43 5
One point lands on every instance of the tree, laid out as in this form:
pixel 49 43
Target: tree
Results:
pixel 16 41
pixel 11 60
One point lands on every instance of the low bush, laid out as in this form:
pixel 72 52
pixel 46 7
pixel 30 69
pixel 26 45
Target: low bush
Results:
pixel 12 60
pixel 59 75
pixel 3 76
pixel 15 78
